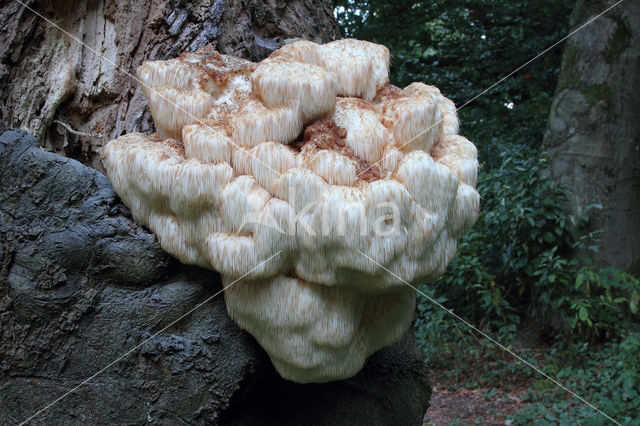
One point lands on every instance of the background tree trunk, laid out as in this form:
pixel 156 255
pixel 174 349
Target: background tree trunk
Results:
pixel 593 134
pixel 74 102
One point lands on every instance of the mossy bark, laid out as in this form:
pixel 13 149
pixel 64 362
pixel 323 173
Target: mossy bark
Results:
pixel 593 133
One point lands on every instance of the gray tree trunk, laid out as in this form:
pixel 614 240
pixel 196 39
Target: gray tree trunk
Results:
pixel 74 102
pixel 593 134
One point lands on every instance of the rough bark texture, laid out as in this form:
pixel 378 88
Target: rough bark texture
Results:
pixel 75 101
pixel 82 285
pixel 593 134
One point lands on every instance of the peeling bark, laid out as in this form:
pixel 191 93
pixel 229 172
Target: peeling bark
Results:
pixel 74 101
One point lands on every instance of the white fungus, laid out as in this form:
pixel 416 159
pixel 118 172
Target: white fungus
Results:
pixel 311 154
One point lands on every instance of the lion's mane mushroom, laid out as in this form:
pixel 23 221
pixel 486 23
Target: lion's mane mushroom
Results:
pixel 313 155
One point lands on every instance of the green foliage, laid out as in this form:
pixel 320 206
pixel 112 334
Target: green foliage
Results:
pixel 607 376
pixel 433 324
pixel 601 301
pixel 512 262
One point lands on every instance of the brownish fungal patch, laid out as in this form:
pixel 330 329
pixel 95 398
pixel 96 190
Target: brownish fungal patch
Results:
pixel 367 172
pixel 361 103
pixel 384 96
pixel 177 146
pixel 222 120
pixel 388 92
pixel 326 134
pixel 215 67
pixel 437 150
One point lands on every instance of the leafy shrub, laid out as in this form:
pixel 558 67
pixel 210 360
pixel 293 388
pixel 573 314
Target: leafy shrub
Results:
pixel 512 260
pixel 608 377
pixel 601 301
pixel 515 262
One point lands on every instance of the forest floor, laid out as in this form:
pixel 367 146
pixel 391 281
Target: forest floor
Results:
pixel 473 406
pixel 490 389
pixel 476 384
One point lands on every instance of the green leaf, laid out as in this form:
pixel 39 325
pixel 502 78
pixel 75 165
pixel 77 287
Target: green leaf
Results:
pixel 583 314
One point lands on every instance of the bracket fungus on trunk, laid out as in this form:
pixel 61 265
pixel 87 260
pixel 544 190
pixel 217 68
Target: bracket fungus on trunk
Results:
pixel 311 154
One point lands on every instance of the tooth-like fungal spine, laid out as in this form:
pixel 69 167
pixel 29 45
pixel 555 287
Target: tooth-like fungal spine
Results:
pixel 311 154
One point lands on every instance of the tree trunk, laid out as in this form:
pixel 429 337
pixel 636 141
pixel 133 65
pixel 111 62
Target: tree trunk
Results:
pixel 74 101
pixel 593 134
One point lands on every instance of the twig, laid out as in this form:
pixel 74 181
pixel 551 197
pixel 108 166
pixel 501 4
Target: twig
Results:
pixel 75 132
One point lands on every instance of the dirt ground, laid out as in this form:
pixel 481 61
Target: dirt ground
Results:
pixel 478 406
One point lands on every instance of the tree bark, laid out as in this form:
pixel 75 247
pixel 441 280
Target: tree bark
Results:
pixel 74 100
pixel 593 133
